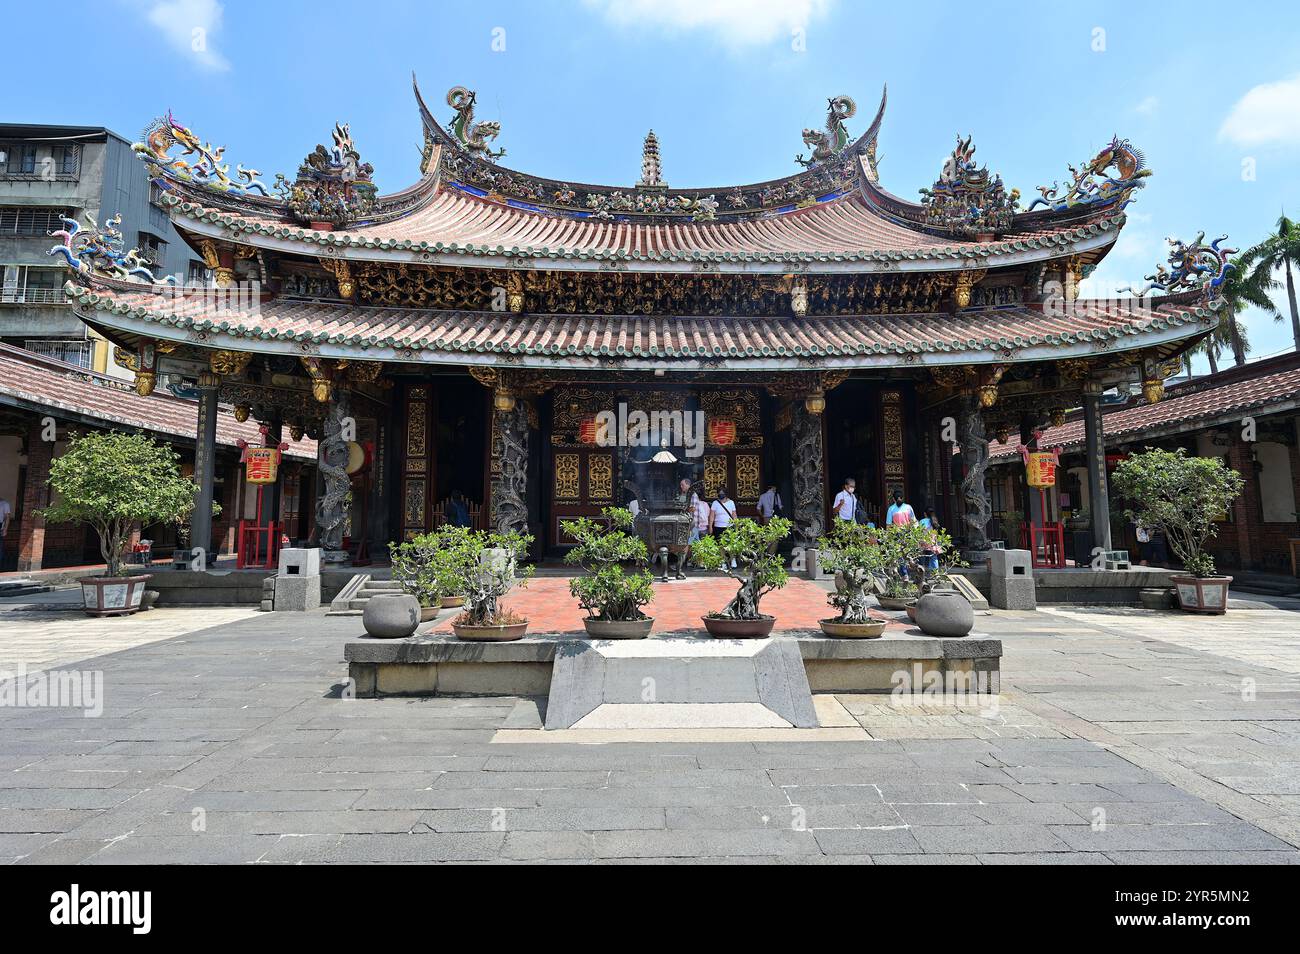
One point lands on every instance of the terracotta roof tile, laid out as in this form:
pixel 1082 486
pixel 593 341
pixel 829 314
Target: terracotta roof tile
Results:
pixel 59 386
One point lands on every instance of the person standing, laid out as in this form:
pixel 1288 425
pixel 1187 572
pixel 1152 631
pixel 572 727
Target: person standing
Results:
pixel 900 513
pixel 846 501
pixel 6 512
pixel 931 522
pixel 769 504
pixel 721 512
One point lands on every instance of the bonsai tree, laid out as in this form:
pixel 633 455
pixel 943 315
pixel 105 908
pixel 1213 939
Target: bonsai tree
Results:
pixel 902 548
pixel 434 565
pixel 112 482
pixel 608 592
pixel 758 569
pixel 1180 495
pixel 852 552
pixel 496 572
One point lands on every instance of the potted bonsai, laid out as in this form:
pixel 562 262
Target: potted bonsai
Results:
pixel 1183 497
pixel 758 570
pixel 901 546
pixel 113 482
pixel 611 595
pixel 414 571
pixel 455 555
pixel 496 572
pixel 857 560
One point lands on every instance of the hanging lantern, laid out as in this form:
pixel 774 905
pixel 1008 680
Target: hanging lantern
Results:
pixel 1003 434
pixel 988 394
pixel 815 402
pixel 296 431
pixel 144 383
pixel 587 431
pixel 1153 389
pixel 241 412
pixel 722 432
pixel 503 399
pixel 1058 416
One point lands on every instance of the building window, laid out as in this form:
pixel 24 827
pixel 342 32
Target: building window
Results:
pixel 152 249
pixel 19 220
pixel 198 273
pixel 32 285
pixel 26 156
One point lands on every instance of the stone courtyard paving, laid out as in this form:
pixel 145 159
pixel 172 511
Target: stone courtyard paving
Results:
pixel 230 742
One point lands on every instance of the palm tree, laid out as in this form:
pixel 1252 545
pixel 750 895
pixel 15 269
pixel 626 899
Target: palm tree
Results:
pixel 1241 289
pixel 1280 250
pixel 1227 336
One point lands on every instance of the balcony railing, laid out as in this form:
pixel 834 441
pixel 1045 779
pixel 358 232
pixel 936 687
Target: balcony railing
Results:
pixel 32 296
pixel 73 352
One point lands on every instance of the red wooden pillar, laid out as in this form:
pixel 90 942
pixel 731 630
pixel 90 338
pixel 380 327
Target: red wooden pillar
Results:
pixel 36 496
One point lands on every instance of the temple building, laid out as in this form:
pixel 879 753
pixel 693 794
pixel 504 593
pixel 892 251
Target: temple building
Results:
pixel 466 335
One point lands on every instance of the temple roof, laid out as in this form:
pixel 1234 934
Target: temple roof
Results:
pixel 1271 386
pixel 458 228
pixel 288 326
pixel 47 385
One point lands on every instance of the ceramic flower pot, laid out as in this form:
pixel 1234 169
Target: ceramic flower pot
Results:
pixel 618 628
pixel 944 613
pixel 1202 594
pixel 892 602
pixel 429 613
pixel 724 628
pixel 113 595
pixel 871 629
pixel 452 602
pixel 503 633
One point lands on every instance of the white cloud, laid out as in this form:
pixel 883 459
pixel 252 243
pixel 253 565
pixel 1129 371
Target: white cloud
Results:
pixel 190 28
pixel 736 23
pixel 1148 106
pixel 1268 115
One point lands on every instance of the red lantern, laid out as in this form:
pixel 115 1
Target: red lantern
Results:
pixel 722 432
pixel 587 431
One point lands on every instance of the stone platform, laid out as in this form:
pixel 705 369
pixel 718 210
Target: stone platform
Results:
pixel 438 664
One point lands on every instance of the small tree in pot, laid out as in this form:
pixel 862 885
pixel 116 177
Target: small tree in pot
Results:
pixel 759 570
pixel 112 482
pixel 902 547
pixel 853 554
pixel 1182 496
pixel 413 570
pixel 611 596
pixel 496 572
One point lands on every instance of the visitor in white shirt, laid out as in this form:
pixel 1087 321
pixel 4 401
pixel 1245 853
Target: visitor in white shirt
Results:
pixel 846 501
pixel 721 512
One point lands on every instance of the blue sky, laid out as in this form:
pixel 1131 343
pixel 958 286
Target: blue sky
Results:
pixel 1211 96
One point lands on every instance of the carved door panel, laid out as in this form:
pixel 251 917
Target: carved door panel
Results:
pixel 419 460
pixel 582 483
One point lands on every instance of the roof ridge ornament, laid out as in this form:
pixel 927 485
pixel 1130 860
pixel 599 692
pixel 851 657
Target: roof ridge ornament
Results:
pixel 98 251
pixel 966 199
pixel 1193 266
pixel 1089 186
pixel 473 136
pixel 333 185
pixel 164 134
pixel 828 143
pixel 651 168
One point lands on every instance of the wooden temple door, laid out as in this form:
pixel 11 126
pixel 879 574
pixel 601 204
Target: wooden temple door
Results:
pixel 734 445
pixel 418 460
pixel 581 473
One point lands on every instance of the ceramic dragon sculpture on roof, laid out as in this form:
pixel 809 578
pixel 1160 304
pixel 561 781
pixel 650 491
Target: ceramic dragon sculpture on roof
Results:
pixel 1193 266
pixel 1091 186
pixel 164 133
pixel 828 143
pixel 99 251
pixel 474 136
pixel 333 185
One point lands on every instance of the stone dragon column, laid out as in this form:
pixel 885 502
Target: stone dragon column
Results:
pixel 510 448
pixel 808 465
pixel 332 462
pixel 975 459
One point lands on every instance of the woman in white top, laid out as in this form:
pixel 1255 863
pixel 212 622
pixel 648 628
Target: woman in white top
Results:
pixel 721 512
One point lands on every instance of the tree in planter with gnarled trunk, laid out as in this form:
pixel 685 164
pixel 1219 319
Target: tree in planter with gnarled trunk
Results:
pixel 1182 496
pixel 759 569
pixel 611 596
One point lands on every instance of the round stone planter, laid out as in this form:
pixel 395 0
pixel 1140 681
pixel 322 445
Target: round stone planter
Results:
pixel 1202 594
pixel 618 628
pixel 723 628
pixel 113 595
pixel 872 629
pixel 944 613
pixel 452 602
pixel 892 602
pixel 391 616
pixel 490 634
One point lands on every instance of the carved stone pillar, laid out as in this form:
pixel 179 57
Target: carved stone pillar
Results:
pixel 510 467
pixel 1095 447
pixel 332 462
pixel 975 461
pixel 205 461
pixel 808 463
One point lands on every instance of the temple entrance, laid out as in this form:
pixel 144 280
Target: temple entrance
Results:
pixel 867 438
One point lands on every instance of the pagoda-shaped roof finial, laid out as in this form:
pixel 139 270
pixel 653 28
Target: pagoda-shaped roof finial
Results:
pixel 651 169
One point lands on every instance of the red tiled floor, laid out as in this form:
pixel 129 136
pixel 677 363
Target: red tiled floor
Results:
pixel 678 606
